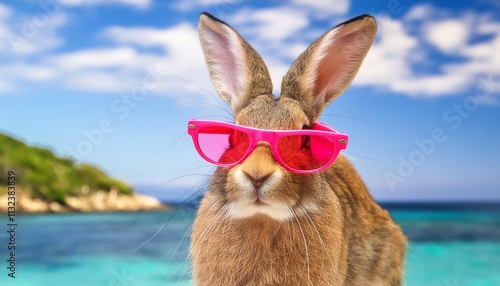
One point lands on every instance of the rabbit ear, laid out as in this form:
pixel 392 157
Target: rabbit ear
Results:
pixel 237 71
pixel 327 67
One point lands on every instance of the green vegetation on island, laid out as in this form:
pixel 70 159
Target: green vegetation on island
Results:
pixel 48 177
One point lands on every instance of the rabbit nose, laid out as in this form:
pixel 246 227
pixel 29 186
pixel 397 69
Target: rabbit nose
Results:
pixel 257 179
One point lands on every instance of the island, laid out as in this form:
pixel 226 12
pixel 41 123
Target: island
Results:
pixel 46 183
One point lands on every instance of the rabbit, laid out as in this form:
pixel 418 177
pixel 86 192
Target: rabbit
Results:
pixel 315 229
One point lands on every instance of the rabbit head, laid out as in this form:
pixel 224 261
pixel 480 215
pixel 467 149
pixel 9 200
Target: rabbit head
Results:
pixel 260 185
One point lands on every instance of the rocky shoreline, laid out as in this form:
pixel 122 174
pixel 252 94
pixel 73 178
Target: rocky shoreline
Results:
pixel 100 201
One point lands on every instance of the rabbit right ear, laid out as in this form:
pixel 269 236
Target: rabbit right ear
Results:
pixel 237 71
pixel 325 69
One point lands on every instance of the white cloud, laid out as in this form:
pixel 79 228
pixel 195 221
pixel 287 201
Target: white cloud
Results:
pixel 32 72
pixel 140 4
pixel 116 68
pixel 432 85
pixel 315 8
pixel 29 34
pixel 218 6
pixel 101 81
pixel 182 55
pixel 486 51
pixel 420 12
pixel 387 61
pixel 398 61
pixel 21 38
pixel 5 14
pixel 483 61
pixel 174 39
pixel 5 86
pixel 324 8
pixel 12 75
pixel 5 11
pixel 448 35
pixel 120 68
pixel 271 24
pixel 95 59
pixel 486 26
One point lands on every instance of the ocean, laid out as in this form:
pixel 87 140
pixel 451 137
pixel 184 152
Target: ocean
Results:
pixel 451 245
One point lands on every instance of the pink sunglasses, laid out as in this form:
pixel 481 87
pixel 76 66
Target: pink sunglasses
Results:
pixel 300 151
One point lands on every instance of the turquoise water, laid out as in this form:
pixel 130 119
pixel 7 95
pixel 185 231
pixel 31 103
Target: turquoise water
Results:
pixel 449 248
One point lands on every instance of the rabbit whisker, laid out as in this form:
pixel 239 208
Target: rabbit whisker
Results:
pixel 171 143
pixel 218 105
pixel 351 117
pixel 323 245
pixel 216 99
pixel 305 243
pixel 185 264
pixel 212 223
pixel 362 157
pixel 179 177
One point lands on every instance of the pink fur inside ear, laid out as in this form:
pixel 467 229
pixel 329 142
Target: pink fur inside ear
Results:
pixel 337 59
pixel 226 60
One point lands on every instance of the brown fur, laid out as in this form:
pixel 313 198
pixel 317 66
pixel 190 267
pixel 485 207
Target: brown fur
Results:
pixel 338 235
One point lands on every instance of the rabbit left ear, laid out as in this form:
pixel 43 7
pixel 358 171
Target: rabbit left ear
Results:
pixel 328 66
pixel 237 71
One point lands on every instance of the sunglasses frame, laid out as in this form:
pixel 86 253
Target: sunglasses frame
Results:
pixel 256 135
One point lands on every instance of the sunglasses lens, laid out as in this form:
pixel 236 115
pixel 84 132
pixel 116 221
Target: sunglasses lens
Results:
pixel 223 145
pixel 305 152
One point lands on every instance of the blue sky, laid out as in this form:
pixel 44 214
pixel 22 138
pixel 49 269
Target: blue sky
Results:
pixel 114 82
